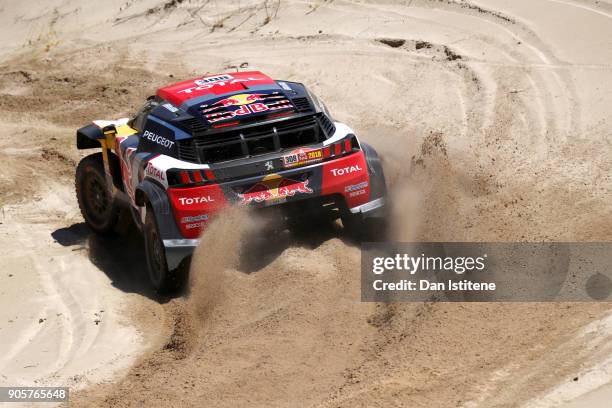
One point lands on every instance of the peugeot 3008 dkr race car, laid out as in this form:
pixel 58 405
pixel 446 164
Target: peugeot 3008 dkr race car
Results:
pixel 202 144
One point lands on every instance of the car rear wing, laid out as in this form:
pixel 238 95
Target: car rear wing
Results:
pixel 102 134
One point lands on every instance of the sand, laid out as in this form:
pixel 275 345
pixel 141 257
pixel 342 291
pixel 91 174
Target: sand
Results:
pixel 492 119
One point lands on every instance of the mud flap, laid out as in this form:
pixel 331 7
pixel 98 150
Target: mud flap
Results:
pixel 376 207
pixel 177 248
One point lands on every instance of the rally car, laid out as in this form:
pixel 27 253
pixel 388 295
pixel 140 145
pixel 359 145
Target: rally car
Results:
pixel 200 145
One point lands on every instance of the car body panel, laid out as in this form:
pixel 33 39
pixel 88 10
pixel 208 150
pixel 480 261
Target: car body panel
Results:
pixel 202 89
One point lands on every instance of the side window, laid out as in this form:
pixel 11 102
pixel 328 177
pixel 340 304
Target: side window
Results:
pixel 141 117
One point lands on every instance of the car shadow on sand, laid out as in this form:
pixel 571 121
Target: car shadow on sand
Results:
pixel 121 257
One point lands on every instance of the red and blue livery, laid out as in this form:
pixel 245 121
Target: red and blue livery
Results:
pixel 237 138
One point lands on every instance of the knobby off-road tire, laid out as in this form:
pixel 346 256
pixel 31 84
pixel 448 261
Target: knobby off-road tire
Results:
pixel 364 229
pixel 162 279
pixel 96 201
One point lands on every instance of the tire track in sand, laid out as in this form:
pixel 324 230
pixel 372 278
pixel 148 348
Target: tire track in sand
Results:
pixel 76 306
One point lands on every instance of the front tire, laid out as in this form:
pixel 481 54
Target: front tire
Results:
pixel 162 279
pixel 95 198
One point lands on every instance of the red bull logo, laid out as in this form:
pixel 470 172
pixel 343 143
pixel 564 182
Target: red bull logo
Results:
pixel 244 104
pixel 274 189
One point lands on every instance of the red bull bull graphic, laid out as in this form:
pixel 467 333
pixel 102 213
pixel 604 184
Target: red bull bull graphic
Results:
pixel 245 104
pixel 274 189
pixel 241 99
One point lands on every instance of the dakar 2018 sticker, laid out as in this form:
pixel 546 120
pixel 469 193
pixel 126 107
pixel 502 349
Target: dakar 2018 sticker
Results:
pixel 301 157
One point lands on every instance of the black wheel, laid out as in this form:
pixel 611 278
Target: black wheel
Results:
pixel 360 228
pixel 96 201
pixel 314 222
pixel 162 279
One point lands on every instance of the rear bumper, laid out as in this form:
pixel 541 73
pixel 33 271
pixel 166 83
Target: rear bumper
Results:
pixel 347 176
pixel 179 249
pixel 374 208
pixel 344 181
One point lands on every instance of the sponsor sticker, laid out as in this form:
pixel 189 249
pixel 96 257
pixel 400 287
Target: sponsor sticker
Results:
pixel 170 107
pixel 219 82
pixel 355 187
pixel 160 140
pixel 155 173
pixel 194 225
pixel 274 189
pixel 301 157
pixel 346 170
pixel 237 100
pixel 211 79
pixel 194 218
pixel 195 200
pixel 284 86
pixel 244 104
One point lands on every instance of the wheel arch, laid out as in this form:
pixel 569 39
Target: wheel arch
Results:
pixel 378 186
pixel 150 195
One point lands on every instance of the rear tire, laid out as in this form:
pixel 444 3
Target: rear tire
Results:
pixel 370 228
pixel 364 229
pixel 162 279
pixel 95 198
